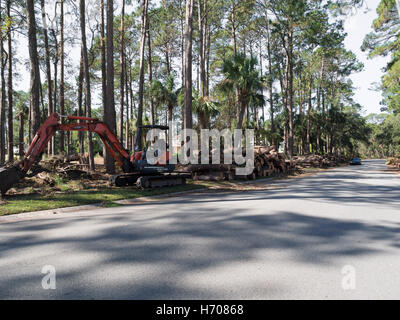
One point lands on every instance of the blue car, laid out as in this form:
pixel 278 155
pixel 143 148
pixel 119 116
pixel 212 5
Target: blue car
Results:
pixel 355 162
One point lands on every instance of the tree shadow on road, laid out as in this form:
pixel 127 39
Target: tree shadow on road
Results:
pixel 178 246
pixel 154 255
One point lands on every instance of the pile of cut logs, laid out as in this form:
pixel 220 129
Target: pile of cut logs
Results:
pixel 318 161
pixel 267 162
pixel 394 162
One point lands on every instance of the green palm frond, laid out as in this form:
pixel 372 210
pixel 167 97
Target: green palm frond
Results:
pixel 205 105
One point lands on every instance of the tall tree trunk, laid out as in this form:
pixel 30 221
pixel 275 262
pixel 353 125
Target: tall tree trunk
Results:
pixel 309 147
pixel 80 103
pixel 300 144
pixel 103 70
pixel 283 79
pixel 188 120
pixel 323 145
pixel 247 116
pixel 239 112
pixel 122 74
pixel 202 25
pixel 48 68
pixel 10 89
pixel 34 66
pixel 233 30
pixel 319 93
pixel 132 142
pixel 170 113
pixel 290 94
pixel 270 80
pixel 55 66
pixel 208 46
pixel 88 97
pixel 62 67
pixel 30 122
pixel 2 99
pixel 131 98
pixel 318 131
pixel 150 71
pixel 141 68
pixel 21 135
pixel 43 113
pixel 261 76
pixel 110 119
pixel 167 59
pixel 182 44
pixel 54 147
pixel 128 102
pixel 242 107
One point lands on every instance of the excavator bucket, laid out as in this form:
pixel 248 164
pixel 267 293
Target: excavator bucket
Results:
pixel 8 177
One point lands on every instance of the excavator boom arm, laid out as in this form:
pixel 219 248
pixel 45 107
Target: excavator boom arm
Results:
pixel 52 125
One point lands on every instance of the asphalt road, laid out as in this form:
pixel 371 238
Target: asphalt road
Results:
pixel 335 235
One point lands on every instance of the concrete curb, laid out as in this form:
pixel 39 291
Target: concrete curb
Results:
pixel 46 213
pixel 159 197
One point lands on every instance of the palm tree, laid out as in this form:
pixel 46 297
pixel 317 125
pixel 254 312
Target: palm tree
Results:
pixel 165 94
pixel 205 108
pixel 242 77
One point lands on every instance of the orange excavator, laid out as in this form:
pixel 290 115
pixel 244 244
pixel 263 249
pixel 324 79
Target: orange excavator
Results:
pixel 136 170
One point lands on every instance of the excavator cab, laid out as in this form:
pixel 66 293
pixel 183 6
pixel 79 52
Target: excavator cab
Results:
pixel 139 157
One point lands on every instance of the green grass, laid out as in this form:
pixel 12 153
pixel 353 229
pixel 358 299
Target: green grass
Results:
pixel 105 196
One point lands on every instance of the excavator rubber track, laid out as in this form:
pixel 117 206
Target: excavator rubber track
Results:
pixel 161 181
pixel 149 182
pixel 124 180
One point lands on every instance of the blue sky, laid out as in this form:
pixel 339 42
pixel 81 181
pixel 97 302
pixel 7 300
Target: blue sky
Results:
pixel 357 26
